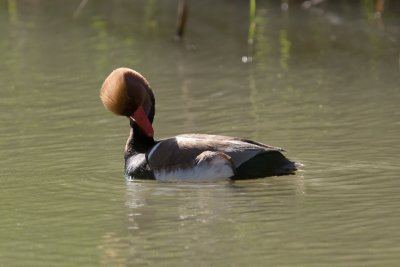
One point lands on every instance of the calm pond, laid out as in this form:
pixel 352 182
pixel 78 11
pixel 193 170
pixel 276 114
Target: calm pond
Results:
pixel 322 82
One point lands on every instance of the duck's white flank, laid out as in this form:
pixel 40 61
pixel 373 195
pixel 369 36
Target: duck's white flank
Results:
pixel 208 166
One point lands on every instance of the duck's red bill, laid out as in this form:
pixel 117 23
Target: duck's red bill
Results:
pixel 140 117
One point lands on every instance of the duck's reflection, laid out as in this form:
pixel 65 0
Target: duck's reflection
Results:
pixel 155 206
pixel 167 220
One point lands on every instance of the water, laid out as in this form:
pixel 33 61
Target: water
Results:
pixel 323 84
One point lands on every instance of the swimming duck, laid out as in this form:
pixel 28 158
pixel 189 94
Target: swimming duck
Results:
pixel 199 157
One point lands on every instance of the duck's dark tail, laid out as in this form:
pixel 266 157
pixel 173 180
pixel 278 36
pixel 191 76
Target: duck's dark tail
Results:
pixel 269 163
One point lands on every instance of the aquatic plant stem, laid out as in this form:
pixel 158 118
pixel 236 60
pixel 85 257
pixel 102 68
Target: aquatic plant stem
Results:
pixel 252 26
pixel 182 18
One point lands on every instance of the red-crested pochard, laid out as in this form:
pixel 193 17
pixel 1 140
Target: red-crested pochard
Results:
pixel 187 156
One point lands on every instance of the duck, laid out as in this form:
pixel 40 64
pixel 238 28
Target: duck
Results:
pixel 187 157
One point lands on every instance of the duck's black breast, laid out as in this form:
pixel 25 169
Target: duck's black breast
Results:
pixel 136 167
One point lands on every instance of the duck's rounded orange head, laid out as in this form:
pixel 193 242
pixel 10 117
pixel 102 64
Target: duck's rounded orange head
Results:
pixel 126 92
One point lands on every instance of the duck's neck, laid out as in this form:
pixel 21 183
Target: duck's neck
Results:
pixel 138 142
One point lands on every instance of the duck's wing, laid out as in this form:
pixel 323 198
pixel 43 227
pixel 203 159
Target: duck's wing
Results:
pixel 182 150
pixel 228 138
pixel 250 159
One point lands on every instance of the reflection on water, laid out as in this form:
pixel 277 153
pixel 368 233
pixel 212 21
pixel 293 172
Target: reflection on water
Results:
pixel 321 81
pixel 186 222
